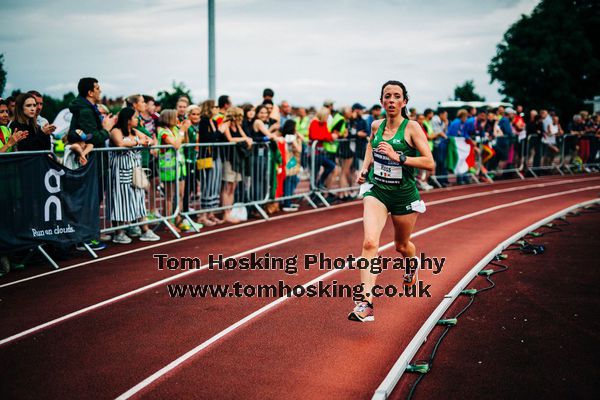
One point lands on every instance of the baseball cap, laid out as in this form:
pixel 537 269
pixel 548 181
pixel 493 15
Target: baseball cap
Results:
pixel 358 106
pixel 510 110
pixel 328 103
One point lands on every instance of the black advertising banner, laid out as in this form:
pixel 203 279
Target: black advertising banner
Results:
pixel 41 201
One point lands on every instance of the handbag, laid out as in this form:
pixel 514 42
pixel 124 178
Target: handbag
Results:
pixel 204 163
pixel 139 178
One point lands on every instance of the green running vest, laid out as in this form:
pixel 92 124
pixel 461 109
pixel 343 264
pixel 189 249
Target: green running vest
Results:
pixel 389 174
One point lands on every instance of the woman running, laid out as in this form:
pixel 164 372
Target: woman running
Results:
pixel 396 148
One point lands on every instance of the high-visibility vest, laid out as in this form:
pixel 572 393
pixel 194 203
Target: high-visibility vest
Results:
pixel 331 147
pixel 59 146
pixel 4 136
pixel 302 127
pixel 167 159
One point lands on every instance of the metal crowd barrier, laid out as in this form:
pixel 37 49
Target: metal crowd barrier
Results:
pixel 221 176
pixel 514 157
pixel 335 166
pixel 528 155
pixel 127 203
pixel 442 176
pixel 543 159
pixel 586 154
pixel 297 170
pixel 40 248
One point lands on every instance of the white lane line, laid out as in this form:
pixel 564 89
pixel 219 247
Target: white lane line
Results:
pixel 505 182
pixel 430 203
pixel 512 189
pixel 174 364
pixel 204 267
pixel 171 278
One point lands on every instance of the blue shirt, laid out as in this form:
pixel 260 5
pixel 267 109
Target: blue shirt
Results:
pixel 504 125
pixel 355 126
pixel 473 128
pixel 457 128
pixel 283 119
pixel 469 129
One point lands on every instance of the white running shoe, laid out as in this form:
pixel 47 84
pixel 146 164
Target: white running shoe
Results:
pixel 149 236
pixel 122 238
pixel 424 185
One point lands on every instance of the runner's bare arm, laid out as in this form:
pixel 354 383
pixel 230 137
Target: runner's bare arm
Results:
pixel 417 139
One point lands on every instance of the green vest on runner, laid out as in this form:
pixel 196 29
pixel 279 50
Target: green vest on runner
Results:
pixel 388 174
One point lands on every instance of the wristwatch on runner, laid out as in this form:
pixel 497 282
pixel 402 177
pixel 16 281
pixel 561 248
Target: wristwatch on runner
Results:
pixel 402 157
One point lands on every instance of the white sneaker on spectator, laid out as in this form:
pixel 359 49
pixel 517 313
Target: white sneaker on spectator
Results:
pixel 149 236
pixel 121 238
pixel 105 238
pixel 289 209
pixel 424 185
pixel 294 205
pixel 134 231
pixel 197 225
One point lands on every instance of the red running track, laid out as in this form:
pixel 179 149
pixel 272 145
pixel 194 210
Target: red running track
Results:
pixel 301 348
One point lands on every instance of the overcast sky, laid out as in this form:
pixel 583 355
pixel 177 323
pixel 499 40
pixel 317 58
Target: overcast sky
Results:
pixel 306 50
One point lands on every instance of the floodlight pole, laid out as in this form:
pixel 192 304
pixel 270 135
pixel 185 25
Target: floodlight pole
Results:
pixel 211 51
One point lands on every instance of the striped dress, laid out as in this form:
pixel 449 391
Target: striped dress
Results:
pixel 127 202
pixel 210 182
pixel 210 178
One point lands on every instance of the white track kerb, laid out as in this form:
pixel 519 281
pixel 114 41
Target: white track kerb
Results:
pixel 191 353
pixel 394 375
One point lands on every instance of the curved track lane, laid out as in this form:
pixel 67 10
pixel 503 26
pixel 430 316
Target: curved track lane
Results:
pixel 111 349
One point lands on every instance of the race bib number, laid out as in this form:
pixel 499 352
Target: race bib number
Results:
pixel 386 170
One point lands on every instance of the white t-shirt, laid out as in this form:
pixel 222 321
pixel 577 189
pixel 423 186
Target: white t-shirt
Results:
pixel 437 125
pixel 550 138
pixel 546 122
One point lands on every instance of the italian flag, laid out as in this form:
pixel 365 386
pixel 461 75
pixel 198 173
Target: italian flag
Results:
pixel 461 155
